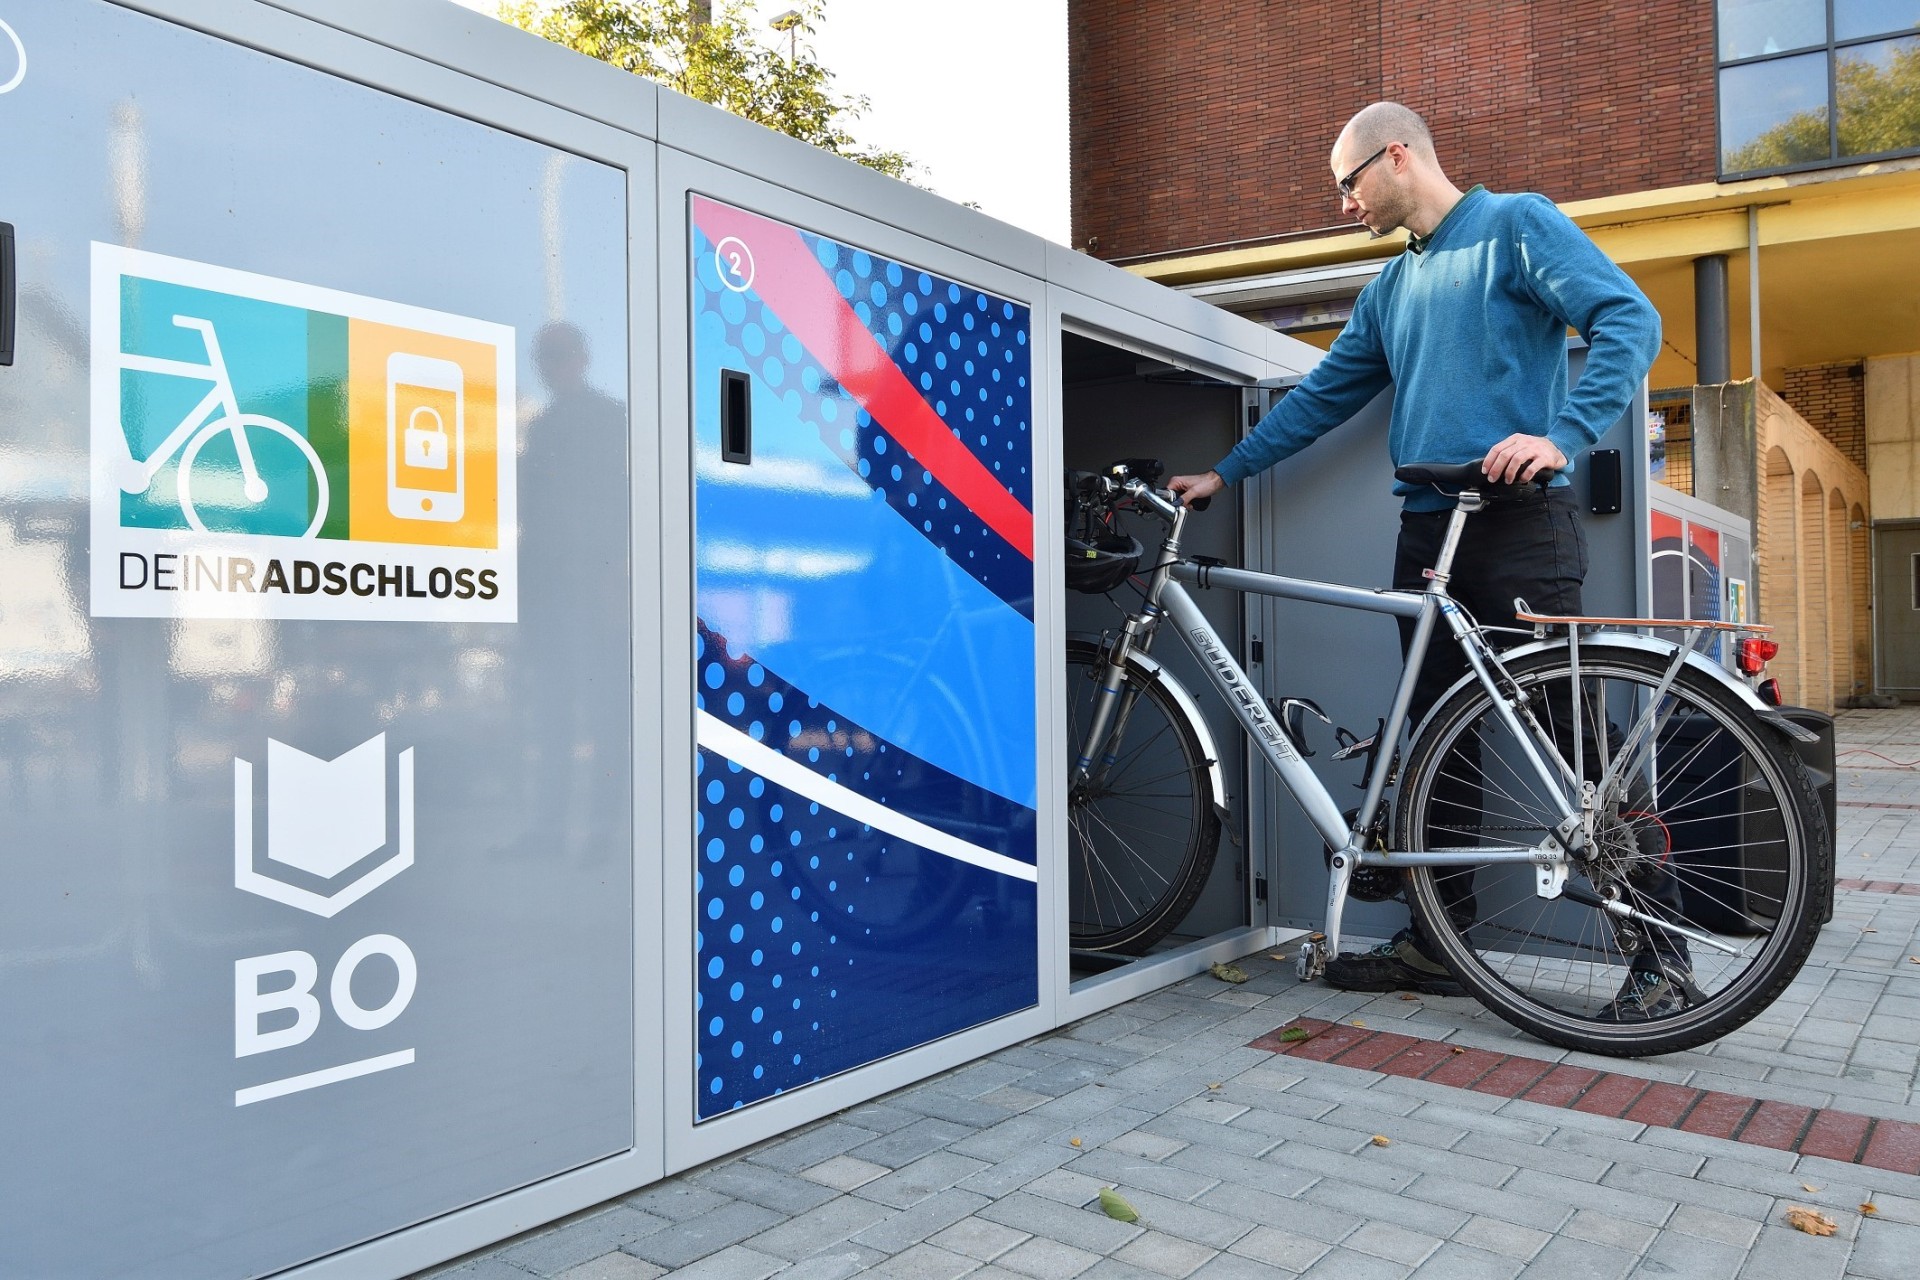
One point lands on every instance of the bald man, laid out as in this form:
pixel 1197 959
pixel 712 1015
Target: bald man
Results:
pixel 1469 325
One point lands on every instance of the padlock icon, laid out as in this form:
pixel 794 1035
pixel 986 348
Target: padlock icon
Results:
pixel 426 447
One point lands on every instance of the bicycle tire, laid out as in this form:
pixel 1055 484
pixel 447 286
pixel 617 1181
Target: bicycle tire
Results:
pixel 1143 833
pixel 319 489
pixel 1717 826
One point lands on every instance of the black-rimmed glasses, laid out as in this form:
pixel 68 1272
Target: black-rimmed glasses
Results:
pixel 1346 184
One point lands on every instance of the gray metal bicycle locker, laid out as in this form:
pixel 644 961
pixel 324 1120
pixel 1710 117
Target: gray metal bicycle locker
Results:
pixel 530 631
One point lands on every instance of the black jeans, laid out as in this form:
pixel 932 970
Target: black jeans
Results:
pixel 1529 547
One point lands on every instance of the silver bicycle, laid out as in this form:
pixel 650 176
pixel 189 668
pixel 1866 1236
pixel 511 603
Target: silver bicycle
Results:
pixel 1588 806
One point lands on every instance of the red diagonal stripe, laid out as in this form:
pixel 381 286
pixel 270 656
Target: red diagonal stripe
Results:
pixel 789 279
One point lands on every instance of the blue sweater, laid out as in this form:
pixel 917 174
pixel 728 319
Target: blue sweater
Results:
pixel 1470 327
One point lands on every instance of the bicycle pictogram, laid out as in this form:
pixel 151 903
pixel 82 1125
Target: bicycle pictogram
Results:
pixel 218 413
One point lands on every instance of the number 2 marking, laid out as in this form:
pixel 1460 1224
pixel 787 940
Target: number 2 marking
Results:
pixel 735 263
pixel 20 72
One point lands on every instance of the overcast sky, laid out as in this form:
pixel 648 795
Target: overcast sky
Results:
pixel 974 91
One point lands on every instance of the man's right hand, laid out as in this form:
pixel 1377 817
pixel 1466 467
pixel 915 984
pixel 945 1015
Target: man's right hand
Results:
pixel 1197 488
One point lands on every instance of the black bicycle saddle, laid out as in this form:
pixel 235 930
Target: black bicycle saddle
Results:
pixel 1460 475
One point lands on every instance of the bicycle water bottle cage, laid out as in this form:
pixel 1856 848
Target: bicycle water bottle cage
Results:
pixel 1290 714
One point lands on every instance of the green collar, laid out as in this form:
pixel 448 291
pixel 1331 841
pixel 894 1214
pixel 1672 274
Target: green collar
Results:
pixel 1418 244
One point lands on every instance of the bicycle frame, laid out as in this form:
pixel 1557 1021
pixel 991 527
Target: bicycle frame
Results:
pixel 1167 599
pixel 140 473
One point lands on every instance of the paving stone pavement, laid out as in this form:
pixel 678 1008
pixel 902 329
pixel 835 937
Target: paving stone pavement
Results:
pixel 1243 1162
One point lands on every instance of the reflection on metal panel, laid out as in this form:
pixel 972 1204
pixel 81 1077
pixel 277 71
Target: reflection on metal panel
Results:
pixel 310 929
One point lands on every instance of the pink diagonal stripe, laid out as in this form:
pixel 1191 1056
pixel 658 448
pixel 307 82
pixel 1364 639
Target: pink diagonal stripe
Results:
pixel 790 279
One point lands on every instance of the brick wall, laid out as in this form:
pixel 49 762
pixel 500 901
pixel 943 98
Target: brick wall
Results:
pixel 1833 400
pixel 1194 125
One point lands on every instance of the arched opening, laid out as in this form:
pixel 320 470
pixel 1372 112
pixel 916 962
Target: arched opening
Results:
pixel 1860 559
pixel 1839 611
pixel 1779 582
pixel 1816 655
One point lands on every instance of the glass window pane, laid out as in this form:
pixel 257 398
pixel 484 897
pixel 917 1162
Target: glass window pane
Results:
pixel 1751 27
pixel 1855 18
pixel 1773 114
pixel 1878 87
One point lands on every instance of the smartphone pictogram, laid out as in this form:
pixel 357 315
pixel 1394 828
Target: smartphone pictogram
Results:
pixel 426 438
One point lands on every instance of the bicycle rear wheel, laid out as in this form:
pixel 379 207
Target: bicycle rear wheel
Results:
pixel 1714 825
pixel 1143 830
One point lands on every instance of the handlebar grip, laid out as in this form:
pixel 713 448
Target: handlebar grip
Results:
pixel 1198 504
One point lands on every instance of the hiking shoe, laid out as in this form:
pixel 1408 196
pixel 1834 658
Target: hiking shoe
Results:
pixel 1397 965
pixel 1647 994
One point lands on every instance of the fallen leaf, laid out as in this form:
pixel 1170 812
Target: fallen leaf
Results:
pixel 1382 1140
pixel 1811 1221
pixel 1213 1086
pixel 1869 931
pixel 1808 1186
pixel 1227 972
pixel 1276 955
pixel 1294 1035
pixel 1408 995
pixel 1457 1049
pixel 1117 1208
pixel 1073 1142
pixel 1869 1208
pixel 1356 1022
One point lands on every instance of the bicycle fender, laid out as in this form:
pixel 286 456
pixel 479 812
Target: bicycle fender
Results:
pixel 1150 667
pixel 1659 648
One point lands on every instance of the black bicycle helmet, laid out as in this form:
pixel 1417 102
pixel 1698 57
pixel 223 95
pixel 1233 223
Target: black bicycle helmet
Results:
pixel 1098 566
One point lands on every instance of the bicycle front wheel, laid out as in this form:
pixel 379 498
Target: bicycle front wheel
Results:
pixel 287 496
pixel 1712 825
pixel 1143 829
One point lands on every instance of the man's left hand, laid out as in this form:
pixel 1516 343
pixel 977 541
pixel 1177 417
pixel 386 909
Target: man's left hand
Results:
pixel 1515 459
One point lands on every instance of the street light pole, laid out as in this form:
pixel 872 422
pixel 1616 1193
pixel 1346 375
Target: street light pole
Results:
pixel 788 22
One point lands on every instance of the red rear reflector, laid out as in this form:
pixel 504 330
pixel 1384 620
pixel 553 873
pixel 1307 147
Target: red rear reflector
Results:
pixel 1754 655
pixel 1769 691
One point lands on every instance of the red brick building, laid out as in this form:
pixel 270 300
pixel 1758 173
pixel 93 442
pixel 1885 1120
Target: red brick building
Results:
pixel 1778 139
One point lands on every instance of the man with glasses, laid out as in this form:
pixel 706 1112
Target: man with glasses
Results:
pixel 1469 326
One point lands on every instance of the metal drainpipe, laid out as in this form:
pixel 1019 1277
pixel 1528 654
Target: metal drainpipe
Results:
pixel 1753 285
pixel 1711 338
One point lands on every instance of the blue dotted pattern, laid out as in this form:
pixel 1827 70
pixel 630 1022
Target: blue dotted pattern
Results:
pixel 965 351
pixel 822 944
pixel 756 701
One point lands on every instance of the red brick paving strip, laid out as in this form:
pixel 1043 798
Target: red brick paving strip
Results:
pixel 1782 1126
pixel 1717 1115
pixel 1879 886
pixel 1836 1135
pixel 1895 1145
pixel 1777 1125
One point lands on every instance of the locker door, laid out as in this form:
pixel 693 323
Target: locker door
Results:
pixel 864 651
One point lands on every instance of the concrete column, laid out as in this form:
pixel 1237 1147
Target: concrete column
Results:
pixel 1724 434
pixel 1710 335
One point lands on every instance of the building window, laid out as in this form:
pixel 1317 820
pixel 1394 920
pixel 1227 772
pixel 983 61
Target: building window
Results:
pixel 1806 83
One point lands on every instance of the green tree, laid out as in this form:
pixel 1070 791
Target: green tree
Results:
pixel 711 51
pixel 1879 112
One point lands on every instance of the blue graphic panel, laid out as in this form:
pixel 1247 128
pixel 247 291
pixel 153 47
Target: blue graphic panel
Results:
pixel 758 702
pixel 856 617
pixel 804 566
pixel 825 945
pixel 964 350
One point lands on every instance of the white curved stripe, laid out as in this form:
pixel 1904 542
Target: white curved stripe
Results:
pixel 717 735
